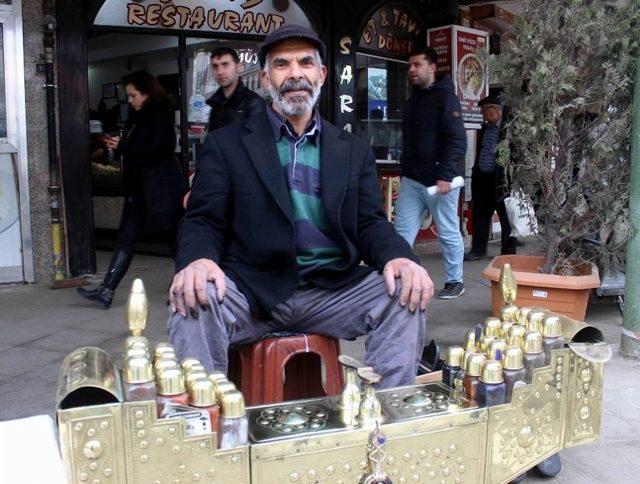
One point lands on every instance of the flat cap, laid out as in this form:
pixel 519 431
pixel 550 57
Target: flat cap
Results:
pixel 289 32
pixel 490 99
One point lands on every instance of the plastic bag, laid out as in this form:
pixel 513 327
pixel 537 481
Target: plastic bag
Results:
pixel 522 217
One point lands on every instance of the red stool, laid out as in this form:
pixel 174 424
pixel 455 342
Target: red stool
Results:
pixel 287 368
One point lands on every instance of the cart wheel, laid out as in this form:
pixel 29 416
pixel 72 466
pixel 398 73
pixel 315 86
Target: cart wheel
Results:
pixel 550 466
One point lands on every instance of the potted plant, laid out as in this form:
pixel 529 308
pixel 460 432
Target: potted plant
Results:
pixel 567 73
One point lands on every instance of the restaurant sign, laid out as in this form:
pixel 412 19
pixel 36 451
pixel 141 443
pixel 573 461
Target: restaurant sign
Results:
pixel 251 17
pixel 393 29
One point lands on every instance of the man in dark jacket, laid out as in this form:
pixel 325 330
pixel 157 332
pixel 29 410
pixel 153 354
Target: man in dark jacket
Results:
pixel 488 184
pixel 233 100
pixel 283 209
pixel 434 145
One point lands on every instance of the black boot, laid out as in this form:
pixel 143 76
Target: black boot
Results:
pixel 103 294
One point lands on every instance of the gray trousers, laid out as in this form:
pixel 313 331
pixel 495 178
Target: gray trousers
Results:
pixel 395 334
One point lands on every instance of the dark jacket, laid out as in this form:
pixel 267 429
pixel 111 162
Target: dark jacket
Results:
pixel 433 134
pixel 240 105
pixel 239 213
pixel 150 172
pixel 502 183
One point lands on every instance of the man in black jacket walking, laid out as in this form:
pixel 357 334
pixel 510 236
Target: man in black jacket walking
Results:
pixel 233 100
pixel 434 145
pixel 283 209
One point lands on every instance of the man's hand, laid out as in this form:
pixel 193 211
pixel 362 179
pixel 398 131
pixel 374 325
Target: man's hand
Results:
pixel 444 187
pixel 189 287
pixel 417 287
pixel 185 200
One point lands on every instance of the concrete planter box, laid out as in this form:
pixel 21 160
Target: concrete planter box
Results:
pixel 567 295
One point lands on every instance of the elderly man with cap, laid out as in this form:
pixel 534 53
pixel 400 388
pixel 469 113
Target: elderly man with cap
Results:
pixel 284 207
pixel 489 186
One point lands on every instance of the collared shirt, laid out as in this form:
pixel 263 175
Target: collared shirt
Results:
pixel 488 151
pixel 300 160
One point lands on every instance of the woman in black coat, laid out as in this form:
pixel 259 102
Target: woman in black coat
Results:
pixel 153 187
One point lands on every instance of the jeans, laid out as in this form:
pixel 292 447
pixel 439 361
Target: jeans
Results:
pixel 411 208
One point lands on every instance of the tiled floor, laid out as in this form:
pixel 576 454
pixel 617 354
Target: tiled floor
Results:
pixel 39 326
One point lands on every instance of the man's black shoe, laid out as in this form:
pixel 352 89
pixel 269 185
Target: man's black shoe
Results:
pixel 473 256
pixel 451 290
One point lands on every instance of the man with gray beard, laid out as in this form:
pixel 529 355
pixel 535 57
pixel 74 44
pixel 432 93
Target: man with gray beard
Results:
pixel 284 208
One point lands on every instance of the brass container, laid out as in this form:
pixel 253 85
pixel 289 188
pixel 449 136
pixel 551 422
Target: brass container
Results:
pixel 470 341
pixel 454 356
pixel 223 387
pixel 88 376
pixel 171 382
pixel 192 376
pixel 492 327
pixel 516 336
pixel 475 364
pixel 504 330
pixel 201 393
pixel 164 364
pixel 551 327
pixel 522 315
pixel 187 363
pixel 137 370
pixel 532 342
pixel 483 344
pixel 534 320
pixel 492 372
pixel 232 403
pixel 513 358
pixel 495 346
pixel 509 313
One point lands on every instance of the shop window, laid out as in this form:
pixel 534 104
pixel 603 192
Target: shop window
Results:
pixel 382 89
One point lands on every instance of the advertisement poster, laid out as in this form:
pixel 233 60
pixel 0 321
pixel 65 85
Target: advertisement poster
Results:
pixel 377 93
pixel 458 50
pixel 471 80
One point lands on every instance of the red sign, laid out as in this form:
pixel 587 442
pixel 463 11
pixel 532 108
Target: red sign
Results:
pixel 457 49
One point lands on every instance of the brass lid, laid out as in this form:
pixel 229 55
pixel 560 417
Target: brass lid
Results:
pixel 534 320
pixel 187 363
pixel 171 382
pixel 483 344
pixel 551 327
pixel 532 342
pixel 232 403
pixel 165 364
pixel 136 341
pixel 495 346
pixel 465 358
pixel 470 340
pixel 222 387
pixel 136 352
pixel 197 367
pixel 201 393
pixel 137 369
pixel 504 329
pixel 192 376
pixel 162 348
pixel 454 355
pixel 492 327
pixel 216 376
pixel 492 372
pixel 516 335
pixel 475 363
pixel 522 315
pixel 513 358
pixel 509 313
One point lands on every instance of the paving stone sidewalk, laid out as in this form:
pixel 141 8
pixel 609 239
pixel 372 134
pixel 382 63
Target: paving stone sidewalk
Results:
pixel 39 326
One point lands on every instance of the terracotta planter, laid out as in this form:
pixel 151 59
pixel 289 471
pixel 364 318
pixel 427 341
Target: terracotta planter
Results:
pixel 566 295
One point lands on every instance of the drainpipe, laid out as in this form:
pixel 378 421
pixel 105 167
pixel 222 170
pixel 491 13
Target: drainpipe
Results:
pixel 630 343
pixel 49 27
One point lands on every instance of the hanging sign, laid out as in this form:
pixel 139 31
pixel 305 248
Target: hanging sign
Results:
pixel 393 30
pixel 458 50
pixel 251 17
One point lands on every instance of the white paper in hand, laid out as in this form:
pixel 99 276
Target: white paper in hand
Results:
pixel 457 182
